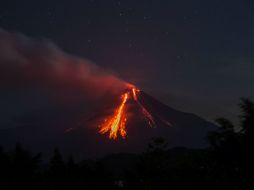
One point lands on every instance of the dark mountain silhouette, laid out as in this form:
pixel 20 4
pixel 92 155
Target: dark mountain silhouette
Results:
pixel 180 129
pixel 224 164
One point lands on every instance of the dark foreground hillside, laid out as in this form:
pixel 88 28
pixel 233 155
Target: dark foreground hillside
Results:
pixel 225 164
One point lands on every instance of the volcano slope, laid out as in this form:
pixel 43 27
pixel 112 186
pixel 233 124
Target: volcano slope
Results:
pixel 83 140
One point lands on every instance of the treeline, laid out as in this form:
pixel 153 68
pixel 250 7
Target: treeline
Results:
pixel 226 164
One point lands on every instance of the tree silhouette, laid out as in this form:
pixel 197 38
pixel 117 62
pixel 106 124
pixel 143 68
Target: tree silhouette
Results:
pixel 56 163
pixel 247 121
pixel 233 147
pixel 247 133
pixel 226 164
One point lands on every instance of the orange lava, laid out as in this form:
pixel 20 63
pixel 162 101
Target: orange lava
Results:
pixel 134 93
pixel 116 124
pixel 148 116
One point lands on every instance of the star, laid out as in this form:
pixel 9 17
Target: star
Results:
pixel 147 17
pixel 179 57
pixel 196 12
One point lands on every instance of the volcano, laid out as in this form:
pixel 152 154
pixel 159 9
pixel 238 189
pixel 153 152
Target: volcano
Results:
pixel 178 128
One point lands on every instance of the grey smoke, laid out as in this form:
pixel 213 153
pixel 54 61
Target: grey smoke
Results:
pixel 36 75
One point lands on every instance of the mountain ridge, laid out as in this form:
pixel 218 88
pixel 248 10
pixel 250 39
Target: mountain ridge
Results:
pixel 185 130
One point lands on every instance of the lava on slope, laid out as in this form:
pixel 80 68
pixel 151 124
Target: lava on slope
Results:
pixel 116 123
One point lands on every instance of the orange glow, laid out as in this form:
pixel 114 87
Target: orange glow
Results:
pixel 116 124
pixel 148 116
pixel 134 93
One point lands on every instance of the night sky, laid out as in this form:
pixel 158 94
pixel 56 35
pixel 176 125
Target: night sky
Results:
pixel 196 56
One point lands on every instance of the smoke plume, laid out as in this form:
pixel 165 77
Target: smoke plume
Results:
pixel 38 79
pixel 40 63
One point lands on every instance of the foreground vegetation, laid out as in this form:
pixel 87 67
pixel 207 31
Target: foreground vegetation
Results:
pixel 226 164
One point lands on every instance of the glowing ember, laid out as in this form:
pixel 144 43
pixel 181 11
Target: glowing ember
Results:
pixel 134 92
pixel 116 124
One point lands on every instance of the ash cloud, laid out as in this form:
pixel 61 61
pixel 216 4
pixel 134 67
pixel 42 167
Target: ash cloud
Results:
pixel 38 68
pixel 25 61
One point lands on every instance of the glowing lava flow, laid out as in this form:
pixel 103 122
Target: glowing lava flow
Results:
pixel 116 124
pixel 147 115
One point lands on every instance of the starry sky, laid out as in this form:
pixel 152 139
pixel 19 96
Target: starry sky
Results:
pixel 196 56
